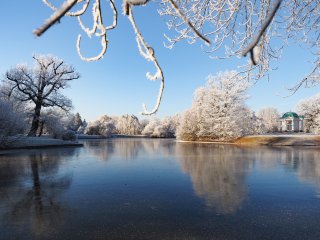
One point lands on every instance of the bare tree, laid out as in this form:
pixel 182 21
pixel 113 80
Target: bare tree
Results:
pixel 41 85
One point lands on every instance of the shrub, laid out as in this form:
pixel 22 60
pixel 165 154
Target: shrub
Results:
pixel 69 135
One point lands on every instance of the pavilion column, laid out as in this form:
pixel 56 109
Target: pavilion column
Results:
pixel 293 124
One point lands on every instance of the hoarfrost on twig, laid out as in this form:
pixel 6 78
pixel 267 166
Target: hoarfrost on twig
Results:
pixel 148 53
pixel 235 27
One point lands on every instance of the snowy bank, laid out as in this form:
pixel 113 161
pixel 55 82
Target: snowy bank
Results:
pixel 39 142
pixel 281 140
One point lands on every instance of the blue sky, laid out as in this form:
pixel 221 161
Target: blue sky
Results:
pixel 117 84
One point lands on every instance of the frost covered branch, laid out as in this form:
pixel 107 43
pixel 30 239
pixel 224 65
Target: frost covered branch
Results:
pixel 233 28
pixel 55 17
pixel 98 29
pixel 187 21
pixel 311 80
pixel 77 13
pixel 264 27
pixel 148 53
pixel 127 3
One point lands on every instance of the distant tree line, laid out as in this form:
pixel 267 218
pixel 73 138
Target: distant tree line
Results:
pixel 32 104
pixel 131 125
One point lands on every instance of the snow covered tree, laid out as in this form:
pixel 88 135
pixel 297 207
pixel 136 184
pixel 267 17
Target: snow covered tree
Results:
pixel 11 122
pixel 235 27
pixel 269 117
pixel 149 128
pixel 40 85
pixel 223 107
pixel 77 121
pixel 310 109
pixel 253 124
pixel 189 127
pixel 57 123
pixel 104 126
pixel 165 128
pixel 83 127
pixel 128 125
pixel 51 123
pixel 219 112
pixel 144 123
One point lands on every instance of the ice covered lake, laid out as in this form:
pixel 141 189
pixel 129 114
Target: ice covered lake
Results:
pixel 160 189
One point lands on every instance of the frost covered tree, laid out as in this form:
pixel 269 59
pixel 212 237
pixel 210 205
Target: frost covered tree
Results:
pixel 219 112
pixel 83 127
pixel 104 126
pixel 310 109
pixel 269 117
pixel 77 121
pixel 51 123
pixel 144 123
pixel 11 122
pixel 57 123
pixel 128 125
pixel 148 130
pixel 165 128
pixel 189 125
pixel 40 85
pixel 229 29
pixel 253 124
pixel 223 107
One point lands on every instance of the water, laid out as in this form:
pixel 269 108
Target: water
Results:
pixel 160 189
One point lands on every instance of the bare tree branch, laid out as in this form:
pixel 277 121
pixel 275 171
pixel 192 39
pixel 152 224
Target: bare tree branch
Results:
pixel 188 22
pixel 67 5
pixel 148 53
pixel 264 27
pixel 311 80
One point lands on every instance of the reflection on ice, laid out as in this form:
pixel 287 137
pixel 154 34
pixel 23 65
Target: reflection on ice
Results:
pixel 218 173
pixel 159 188
pixel 30 189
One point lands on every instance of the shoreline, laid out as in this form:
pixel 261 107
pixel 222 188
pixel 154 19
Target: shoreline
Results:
pixel 205 142
pixel 280 140
pixel 252 140
pixel 269 140
pixel 3 150
pixel 38 142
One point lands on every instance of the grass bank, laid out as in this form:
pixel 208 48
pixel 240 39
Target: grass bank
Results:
pixel 280 140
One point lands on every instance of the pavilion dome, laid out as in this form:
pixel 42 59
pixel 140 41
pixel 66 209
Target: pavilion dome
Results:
pixel 290 114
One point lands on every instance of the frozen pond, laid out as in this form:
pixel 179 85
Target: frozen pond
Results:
pixel 160 189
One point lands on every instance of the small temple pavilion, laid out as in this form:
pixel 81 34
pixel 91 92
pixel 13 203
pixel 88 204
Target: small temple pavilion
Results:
pixel 291 122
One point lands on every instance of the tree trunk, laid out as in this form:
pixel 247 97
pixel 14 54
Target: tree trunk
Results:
pixel 35 121
pixel 41 128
